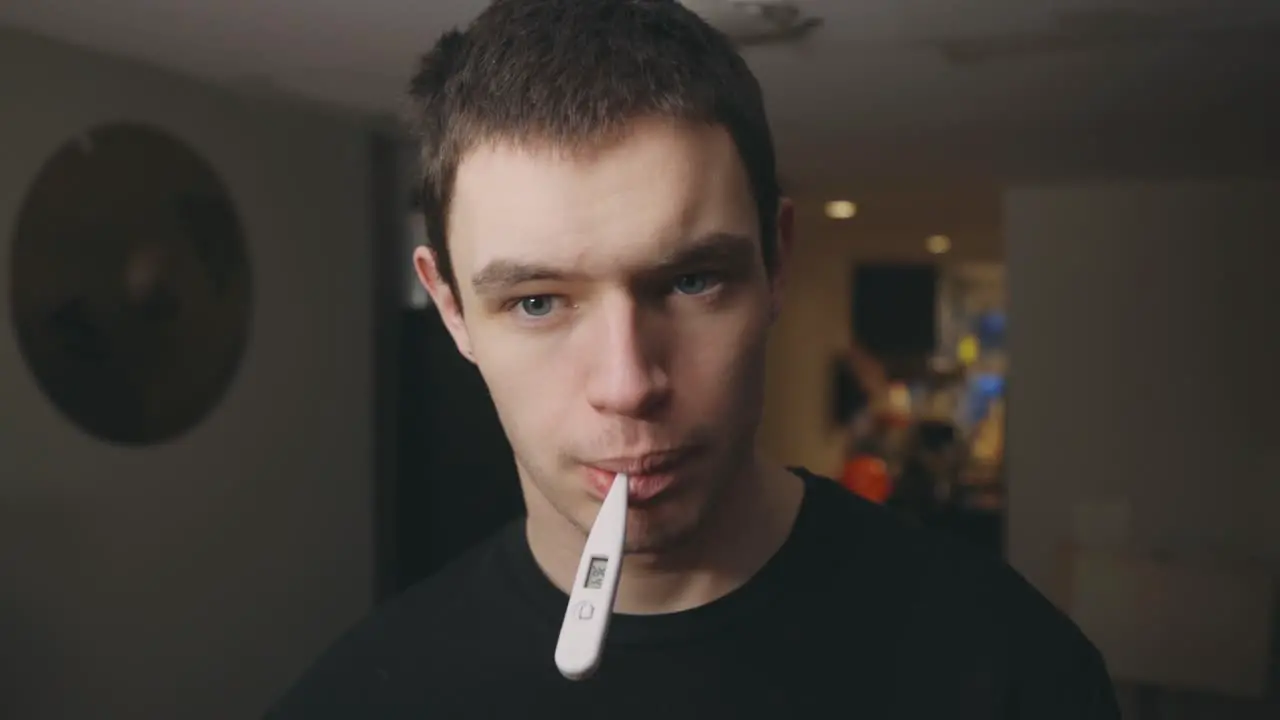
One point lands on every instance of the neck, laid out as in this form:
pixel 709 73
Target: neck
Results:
pixel 748 524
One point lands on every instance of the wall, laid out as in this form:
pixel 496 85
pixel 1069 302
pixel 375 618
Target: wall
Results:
pixel 1143 342
pixel 196 579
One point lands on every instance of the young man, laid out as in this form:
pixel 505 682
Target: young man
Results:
pixel 608 247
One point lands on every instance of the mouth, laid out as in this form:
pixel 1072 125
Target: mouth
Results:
pixel 648 475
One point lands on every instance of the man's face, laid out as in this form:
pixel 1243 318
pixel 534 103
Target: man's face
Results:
pixel 617 304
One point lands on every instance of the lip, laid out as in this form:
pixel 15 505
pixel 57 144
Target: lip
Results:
pixel 648 475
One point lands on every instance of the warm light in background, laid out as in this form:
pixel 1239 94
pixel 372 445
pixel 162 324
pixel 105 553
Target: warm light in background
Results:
pixel 937 244
pixel 841 209
pixel 899 399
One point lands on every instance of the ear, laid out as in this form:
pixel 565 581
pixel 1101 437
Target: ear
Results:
pixel 442 295
pixel 782 262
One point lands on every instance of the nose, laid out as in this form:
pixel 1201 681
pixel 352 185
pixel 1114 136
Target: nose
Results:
pixel 627 376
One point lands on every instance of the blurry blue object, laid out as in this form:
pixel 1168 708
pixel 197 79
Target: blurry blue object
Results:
pixel 991 329
pixel 983 389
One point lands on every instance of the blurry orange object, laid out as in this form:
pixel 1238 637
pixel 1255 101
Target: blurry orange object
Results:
pixel 868 476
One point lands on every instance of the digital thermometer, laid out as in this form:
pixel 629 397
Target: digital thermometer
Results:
pixel 586 621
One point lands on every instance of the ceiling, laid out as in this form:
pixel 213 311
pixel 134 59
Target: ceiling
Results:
pixel 886 94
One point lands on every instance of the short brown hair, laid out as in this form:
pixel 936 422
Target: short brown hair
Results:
pixel 574 73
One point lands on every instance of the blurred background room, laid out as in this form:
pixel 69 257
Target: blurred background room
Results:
pixel 1030 306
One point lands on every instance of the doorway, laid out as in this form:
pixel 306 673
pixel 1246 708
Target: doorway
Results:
pixel 444 475
pixel 456 482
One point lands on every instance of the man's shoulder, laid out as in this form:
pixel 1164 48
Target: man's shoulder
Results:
pixel 928 572
pixel 866 538
pixel 958 617
pixel 410 633
pixel 859 529
pixel 440 598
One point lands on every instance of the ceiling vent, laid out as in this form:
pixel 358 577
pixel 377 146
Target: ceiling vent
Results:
pixel 756 22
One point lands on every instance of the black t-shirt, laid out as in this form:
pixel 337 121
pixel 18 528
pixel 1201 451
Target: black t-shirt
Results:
pixel 856 616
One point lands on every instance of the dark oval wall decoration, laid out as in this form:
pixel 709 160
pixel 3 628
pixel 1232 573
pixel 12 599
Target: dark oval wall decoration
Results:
pixel 130 284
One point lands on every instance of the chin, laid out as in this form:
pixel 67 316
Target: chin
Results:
pixel 657 530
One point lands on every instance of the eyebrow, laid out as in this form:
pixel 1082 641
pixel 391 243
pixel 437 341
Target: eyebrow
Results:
pixel 717 248
pixel 500 275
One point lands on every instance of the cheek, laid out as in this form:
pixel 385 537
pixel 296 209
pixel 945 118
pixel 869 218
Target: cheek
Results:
pixel 721 361
pixel 528 384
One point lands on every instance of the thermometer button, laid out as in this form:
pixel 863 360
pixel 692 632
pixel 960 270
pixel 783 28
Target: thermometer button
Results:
pixel 586 610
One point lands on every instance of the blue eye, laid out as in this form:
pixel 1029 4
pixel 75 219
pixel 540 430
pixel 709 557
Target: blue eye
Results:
pixel 693 283
pixel 536 305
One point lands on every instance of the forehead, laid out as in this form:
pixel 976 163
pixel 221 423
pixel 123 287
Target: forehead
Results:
pixel 662 183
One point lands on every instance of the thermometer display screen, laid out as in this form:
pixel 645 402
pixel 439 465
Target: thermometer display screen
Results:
pixel 595 573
